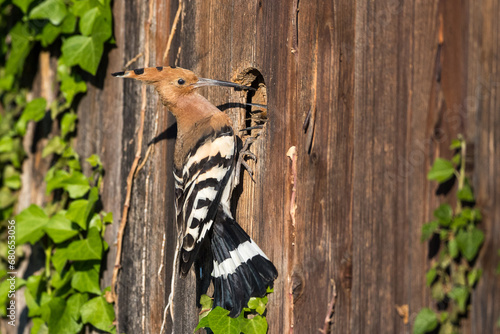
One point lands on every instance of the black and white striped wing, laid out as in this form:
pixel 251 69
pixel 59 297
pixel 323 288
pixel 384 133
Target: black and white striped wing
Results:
pixel 206 180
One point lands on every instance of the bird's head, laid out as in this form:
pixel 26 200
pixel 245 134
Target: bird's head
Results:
pixel 172 83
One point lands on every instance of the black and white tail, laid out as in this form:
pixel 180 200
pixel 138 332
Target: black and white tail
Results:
pixel 238 268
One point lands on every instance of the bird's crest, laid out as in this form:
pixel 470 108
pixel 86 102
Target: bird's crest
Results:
pixel 152 75
pixel 176 75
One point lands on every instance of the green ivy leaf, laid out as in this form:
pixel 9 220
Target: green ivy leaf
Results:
pixel 76 212
pixel 108 219
pixel 203 323
pixel 11 177
pixel 456 159
pixel 59 258
pixel 87 249
pixel 98 313
pixel 102 30
pixel 258 304
pixel 465 194
pixel 70 87
pixel 53 10
pixel 447 328
pixel 79 8
pixel 59 228
pixel 437 291
pixel 444 214
pixel 460 295
pixel 34 111
pixel 469 242
pixel 6 144
pixel 85 51
pixel 472 215
pixel 39 326
pixel 53 310
pixel 55 145
pixel 443 317
pixel 93 198
pixel 455 144
pixel 428 229
pixel 61 281
pixel 426 321
pixel 94 160
pixel 75 303
pixel 49 34
pixel 444 259
pixel 69 24
pixel 206 305
pixel 86 280
pixel 96 222
pixel 35 284
pixel 453 248
pixel 441 171
pixel 476 215
pixel 76 184
pixel 6 82
pixel 7 198
pixel 431 276
pixel 473 276
pixel 61 319
pixel 20 47
pixel 33 307
pixel 22 4
pixel 69 119
pixel 4 291
pixel 459 222
pixel 88 20
pixel 220 323
pixel 80 211
pixel 30 225
pixel 458 275
pixel 256 325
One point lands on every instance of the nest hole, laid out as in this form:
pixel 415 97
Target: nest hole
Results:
pixel 255 102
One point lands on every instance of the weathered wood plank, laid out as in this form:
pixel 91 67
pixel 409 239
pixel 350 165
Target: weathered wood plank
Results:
pixel 393 79
pixel 483 123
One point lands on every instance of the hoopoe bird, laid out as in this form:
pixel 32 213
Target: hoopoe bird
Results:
pixel 206 160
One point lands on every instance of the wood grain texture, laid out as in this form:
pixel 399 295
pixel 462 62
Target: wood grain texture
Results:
pixel 387 83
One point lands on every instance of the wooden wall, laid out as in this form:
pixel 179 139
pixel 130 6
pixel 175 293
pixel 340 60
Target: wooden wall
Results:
pixel 387 85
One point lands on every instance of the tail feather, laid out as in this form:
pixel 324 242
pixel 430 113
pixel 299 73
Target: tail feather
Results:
pixel 203 267
pixel 240 269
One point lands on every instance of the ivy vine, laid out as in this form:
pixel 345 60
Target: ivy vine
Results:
pixel 453 273
pixel 251 320
pixel 65 294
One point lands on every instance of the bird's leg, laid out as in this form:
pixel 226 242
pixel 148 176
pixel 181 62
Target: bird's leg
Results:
pixel 243 153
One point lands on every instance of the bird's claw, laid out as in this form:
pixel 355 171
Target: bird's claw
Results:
pixel 242 155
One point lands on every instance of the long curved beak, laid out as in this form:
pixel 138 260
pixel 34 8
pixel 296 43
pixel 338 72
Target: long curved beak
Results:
pixel 210 82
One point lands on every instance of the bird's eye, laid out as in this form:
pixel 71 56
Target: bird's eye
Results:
pixel 181 81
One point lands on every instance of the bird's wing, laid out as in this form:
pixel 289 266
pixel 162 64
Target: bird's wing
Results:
pixel 206 180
